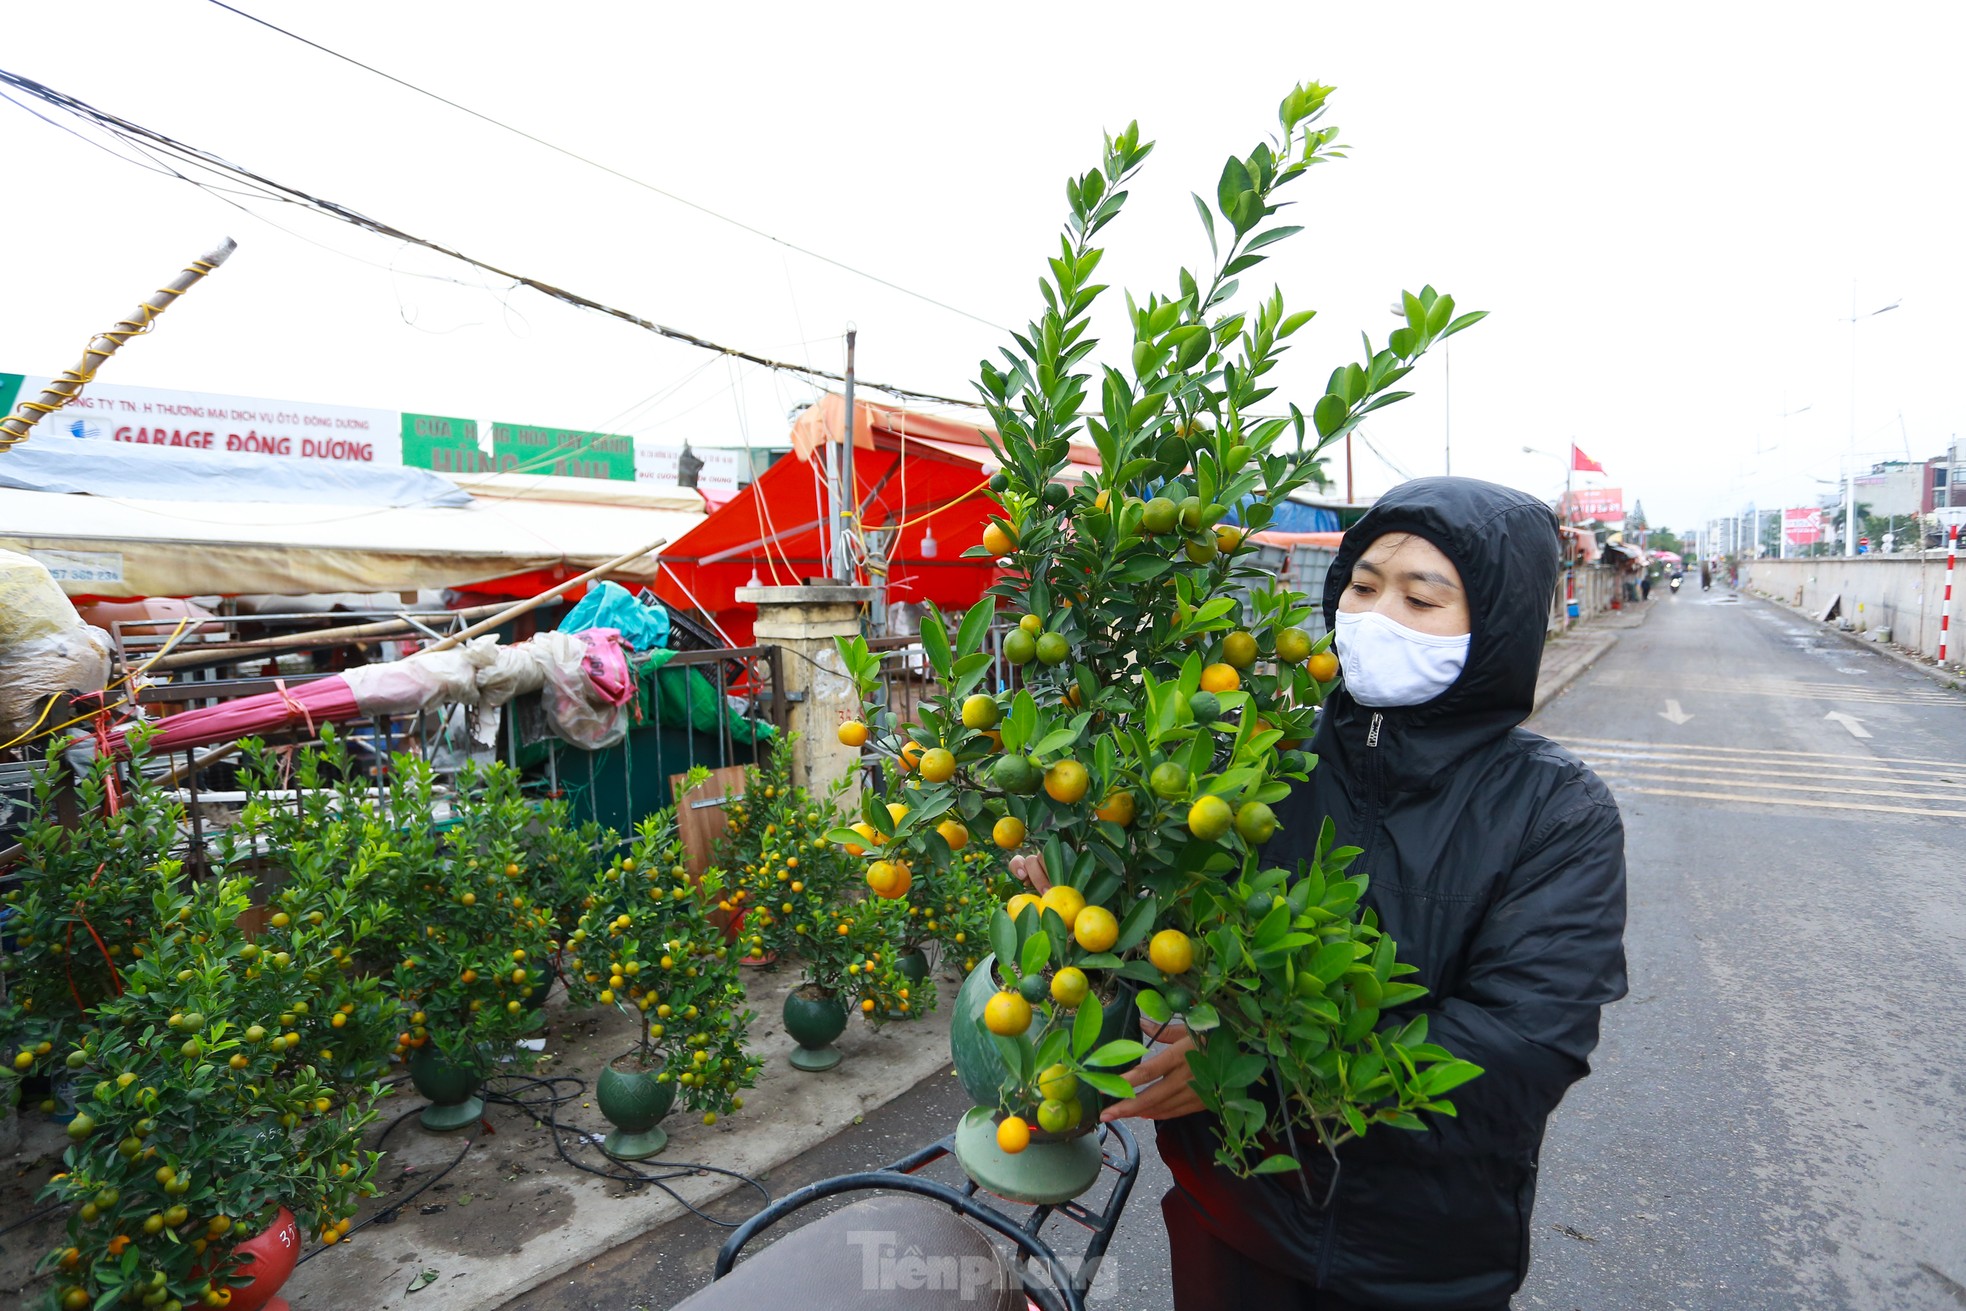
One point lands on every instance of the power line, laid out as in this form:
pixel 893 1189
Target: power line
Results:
pixel 605 168
pixel 132 133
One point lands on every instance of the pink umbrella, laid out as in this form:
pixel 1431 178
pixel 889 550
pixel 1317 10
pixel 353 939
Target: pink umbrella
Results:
pixel 326 700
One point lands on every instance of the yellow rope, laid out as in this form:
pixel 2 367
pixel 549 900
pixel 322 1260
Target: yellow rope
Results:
pixel 125 680
pixel 938 509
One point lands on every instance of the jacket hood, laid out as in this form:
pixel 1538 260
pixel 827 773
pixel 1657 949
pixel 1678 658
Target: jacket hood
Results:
pixel 1505 545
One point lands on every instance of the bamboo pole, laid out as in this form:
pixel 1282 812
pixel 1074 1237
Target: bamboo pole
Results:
pixel 219 653
pixel 518 608
pixel 15 428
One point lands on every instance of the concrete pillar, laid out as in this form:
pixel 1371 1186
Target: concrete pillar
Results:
pixel 803 621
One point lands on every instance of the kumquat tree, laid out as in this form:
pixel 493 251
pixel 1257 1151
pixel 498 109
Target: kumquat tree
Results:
pixel 1162 689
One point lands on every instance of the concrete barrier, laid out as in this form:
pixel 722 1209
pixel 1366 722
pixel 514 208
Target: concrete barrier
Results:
pixel 1903 593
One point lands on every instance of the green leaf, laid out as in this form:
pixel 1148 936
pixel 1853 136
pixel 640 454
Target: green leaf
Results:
pixel 1037 950
pixel 1133 929
pixel 1003 937
pixel 1201 1017
pixel 1275 1165
pixel 1117 1052
pixel 1208 222
pixel 1228 191
pixel 1053 1048
pixel 1016 1056
pixel 1022 721
pixel 1085 1028
pixel 1329 414
pixel 1153 1006
pixel 1110 1084
pixel 1447 1076
pixel 1263 239
pixel 1056 740
pixel 976 626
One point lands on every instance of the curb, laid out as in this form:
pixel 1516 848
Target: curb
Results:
pixel 1548 689
pixel 1943 677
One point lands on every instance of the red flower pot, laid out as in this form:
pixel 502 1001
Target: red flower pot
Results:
pixel 268 1259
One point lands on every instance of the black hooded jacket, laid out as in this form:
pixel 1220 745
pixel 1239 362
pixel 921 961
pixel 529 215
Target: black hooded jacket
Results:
pixel 1496 862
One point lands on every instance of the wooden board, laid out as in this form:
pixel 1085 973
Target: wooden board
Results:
pixel 700 814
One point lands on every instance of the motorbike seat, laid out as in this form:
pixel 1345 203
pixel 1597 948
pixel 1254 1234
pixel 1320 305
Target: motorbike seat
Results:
pixel 885 1253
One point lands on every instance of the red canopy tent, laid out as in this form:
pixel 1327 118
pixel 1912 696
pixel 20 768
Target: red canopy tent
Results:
pixel 925 473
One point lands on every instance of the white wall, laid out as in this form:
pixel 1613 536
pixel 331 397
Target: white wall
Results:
pixel 1904 593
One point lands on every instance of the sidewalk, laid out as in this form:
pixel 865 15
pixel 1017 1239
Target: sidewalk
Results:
pixel 1568 655
pixel 512 1216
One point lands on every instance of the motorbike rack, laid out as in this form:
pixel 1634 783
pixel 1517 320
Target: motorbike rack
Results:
pixel 800 1264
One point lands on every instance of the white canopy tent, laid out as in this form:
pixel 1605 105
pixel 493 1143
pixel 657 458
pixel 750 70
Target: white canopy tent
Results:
pixel 118 546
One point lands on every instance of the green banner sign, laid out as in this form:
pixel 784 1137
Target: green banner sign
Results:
pixel 523 448
pixel 431 441
pixel 9 392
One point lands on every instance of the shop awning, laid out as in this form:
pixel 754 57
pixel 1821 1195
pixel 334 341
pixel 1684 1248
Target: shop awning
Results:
pixel 921 472
pixel 120 547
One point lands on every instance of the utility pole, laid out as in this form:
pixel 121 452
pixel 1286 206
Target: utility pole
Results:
pixel 1850 478
pixel 1447 420
pixel 847 507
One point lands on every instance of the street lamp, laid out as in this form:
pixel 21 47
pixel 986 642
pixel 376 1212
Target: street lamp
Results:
pixel 1537 450
pixel 1850 479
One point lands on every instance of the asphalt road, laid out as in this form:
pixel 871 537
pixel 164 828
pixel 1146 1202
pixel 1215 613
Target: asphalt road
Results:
pixel 1778 1113
pixel 1776 1117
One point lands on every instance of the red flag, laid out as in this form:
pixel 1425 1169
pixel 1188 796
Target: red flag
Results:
pixel 1582 463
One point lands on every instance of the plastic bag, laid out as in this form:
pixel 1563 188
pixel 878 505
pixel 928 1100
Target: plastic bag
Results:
pixel 609 605
pixel 404 687
pixel 72 660
pixel 31 602
pixel 574 706
pixel 45 648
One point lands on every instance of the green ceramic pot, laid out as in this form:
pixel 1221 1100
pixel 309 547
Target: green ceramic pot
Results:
pixel 634 1102
pixel 814 1020
pixel 912 965
pixel 1043 1174
pixel 977 1061
pixel 451 1087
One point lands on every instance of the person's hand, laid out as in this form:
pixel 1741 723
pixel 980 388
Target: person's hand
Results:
pixel 1164 1084
pixel 1031 870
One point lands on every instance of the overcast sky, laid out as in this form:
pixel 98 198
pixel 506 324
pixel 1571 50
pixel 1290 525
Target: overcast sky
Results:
pixel 1664 208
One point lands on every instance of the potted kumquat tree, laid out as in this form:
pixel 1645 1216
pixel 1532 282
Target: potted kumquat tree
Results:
pixel 1163 687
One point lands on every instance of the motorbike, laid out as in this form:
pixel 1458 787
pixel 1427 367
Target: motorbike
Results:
pixel 921 1243
pixel 1674 586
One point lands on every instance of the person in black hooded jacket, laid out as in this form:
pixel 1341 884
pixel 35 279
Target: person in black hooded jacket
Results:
pixel 1496 862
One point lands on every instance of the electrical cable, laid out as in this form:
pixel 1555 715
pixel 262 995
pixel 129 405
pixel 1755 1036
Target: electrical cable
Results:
pixel 615 172
pixel 131 132
pixel 544 1111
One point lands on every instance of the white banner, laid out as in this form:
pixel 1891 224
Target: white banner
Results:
pixel 241 426
pixel 724 469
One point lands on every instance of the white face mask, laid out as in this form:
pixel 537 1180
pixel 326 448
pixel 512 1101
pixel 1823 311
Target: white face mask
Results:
pixel 1389 664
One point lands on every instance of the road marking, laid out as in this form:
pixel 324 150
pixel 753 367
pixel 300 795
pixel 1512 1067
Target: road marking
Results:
pixel 1610 762
pixel 1855 725
pixel 1673 713
pixel 1798 801
pixel 1900 794
pixel 1871 693
pixel 1760 752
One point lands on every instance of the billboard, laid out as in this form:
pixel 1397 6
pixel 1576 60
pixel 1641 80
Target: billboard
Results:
pixel 1803 527
pixel 144 418
pixel 243 426
pixel 1605 504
